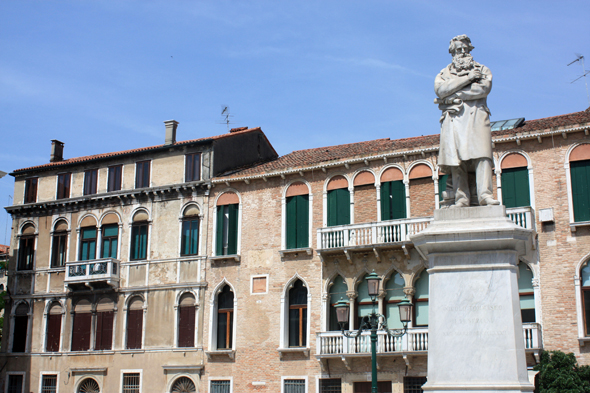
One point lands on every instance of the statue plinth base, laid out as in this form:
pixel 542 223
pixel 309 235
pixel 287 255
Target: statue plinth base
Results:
pixel 475 331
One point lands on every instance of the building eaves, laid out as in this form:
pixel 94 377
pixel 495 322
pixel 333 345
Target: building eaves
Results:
pixel 127 153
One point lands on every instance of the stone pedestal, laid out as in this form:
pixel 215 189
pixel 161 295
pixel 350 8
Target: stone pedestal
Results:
pixel 475 334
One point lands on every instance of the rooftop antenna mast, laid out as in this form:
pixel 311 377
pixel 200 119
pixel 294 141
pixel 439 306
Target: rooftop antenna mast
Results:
pixel 225 116
pixel 584 73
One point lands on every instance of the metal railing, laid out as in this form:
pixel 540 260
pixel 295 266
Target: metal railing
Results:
pixel 391 231
pixel 93 270
pixel 416 340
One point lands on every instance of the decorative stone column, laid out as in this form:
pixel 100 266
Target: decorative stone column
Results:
pixel 475 333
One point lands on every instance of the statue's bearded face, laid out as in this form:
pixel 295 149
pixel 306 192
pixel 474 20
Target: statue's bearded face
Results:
pixel 462 59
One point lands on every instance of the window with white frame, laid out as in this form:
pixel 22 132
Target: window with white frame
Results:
pixel 134 323
pixel 294 385
pixel 186 321
pixel 53 329
pixel 20 328
pixel 337 291
pixel 183 385
pixel 330 385
pixel 190 231
pixel 26 248
pixel 227 224
pixel 338 203
pixel 297 216
pixel 297 319
pixel 225 318
pixel 131 382
pixel 49 383
pixel 59 245
pixel 16 383
pixel 515 181
pixel 220 386
pixel 579 167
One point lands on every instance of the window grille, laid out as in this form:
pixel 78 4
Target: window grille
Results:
pixel 220 386
pixel 49 384
pixel 131 383
pixel 15 384
pixel 330 386
pixel 294 386
pixel 414 384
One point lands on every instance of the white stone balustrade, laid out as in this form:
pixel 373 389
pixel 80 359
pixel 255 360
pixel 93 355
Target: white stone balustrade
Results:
pixel 95 271
pixel 397 231
pixel 416 340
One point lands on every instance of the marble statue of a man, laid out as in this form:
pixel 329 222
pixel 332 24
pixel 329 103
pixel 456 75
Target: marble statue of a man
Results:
pixel 465 134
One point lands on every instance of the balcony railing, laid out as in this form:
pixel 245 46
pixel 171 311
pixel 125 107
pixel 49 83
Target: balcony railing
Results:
pixel 397 231
pixel 93 273
pixel 392 231
pixel 416 340
pixel 522 216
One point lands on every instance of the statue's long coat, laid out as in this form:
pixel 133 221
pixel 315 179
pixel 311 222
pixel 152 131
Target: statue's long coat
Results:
pixel 465 132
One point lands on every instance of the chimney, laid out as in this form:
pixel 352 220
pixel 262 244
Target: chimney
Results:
pixel 170 132
pixel 57 151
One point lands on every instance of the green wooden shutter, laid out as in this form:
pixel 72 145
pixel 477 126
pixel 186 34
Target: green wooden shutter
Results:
pixel 219 231
pixel 515 187
pixel 442 186
pixel 292 222
pixel 579 171
pixel 393 200
pixel 385 201
pixel 332 208
pixel 302 221
pixel 232 237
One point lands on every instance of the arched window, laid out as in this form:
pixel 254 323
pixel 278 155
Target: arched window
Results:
pixel 421 300
pixel 338 201
pixel 297 220
pixel 580 182
pixel 526 293
pixel 515 181
pixel 394 293
pixel 110 236
pixel 421 190
pixel 298 315
pixel 186 321
pixel 87 239
pixel 364 303
pixel 183 385
pixel 225 318
pixel 82 326
pixel 59 246
pixel 365 197
pixel 393 195
pixel 139 236
pixel 337 292
pixel 105 315
pixel 226 235
pixel 53 331
pixel 88 385
pixel 26 248
pixel 190 231
pixel 134 323
pixel 19 328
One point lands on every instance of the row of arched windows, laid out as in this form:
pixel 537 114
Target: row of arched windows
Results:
pixel 92 324
pixel 97 241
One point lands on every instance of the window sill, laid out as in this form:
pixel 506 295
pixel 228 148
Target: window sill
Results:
pixel 583 340
pixel 574 225
pixel 295 251
pixel 222 258
pixel 132 351
pixel 187 349
pixel 50 354
pixel 282 351
pixel 231 354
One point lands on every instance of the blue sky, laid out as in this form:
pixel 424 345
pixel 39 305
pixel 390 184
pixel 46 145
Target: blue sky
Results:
pixel 102 76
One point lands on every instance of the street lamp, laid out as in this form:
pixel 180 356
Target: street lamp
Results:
pixel 372 323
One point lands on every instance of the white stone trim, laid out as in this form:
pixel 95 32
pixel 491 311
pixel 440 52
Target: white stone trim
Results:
pixel 42 373
pixel 284 213
pixel 252 277
pixel 498 171
pixel 132 371
pixel 23 373
pixel 213 315
pixel 284 378
pixel 284 336
pixel 214 234
pixel 568 179
pixel 230 379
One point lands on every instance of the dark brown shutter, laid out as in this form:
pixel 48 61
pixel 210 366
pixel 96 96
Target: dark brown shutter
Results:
pixel 134 328
pixel 81 331
pixel 53 332
pixel 104 330
pixel 186 326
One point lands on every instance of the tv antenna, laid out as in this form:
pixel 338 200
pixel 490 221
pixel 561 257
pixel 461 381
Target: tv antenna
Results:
pixel 580 58
pixel 225 116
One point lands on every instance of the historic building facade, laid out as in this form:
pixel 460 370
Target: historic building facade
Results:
pixel 226 281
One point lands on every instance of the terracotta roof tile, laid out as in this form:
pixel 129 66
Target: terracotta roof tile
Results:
pixel 310 157
pixel 79 160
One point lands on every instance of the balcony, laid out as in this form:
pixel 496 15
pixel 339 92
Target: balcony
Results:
pixel 369 236
pixel 392 234
pixel 93 274
pixel 415 342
